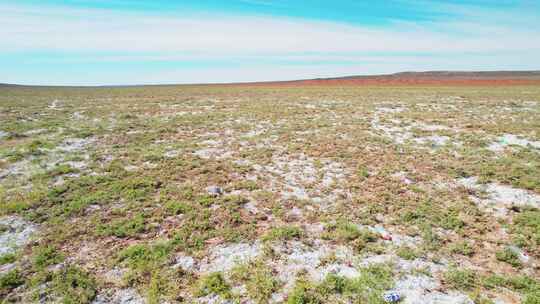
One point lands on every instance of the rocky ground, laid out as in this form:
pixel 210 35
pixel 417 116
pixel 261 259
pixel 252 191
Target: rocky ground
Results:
pixel 209 194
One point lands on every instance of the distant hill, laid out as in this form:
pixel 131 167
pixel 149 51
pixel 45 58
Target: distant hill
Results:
pixel 427 78
pixel 9 85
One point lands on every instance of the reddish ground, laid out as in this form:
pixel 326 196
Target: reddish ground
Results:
pixel 421 78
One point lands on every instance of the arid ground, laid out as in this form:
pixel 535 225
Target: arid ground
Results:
pixel 270 194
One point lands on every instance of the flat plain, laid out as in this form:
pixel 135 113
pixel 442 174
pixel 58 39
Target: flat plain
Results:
pixel 270 194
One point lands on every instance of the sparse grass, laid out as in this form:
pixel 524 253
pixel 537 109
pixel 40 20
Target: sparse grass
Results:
pixel 73 285
pixel 10 280
pixel 367 288
pixel 463 248
pixel 304 293
pixel 144 256
pixel 176 208
pixel 346 232
pixel 432 241
pixel 125 227
pixel 46 255
pixel 259 279
pixel 460 279
pixel 509 256
pixel 519 169
pixel 214 283
pixel 407 253
pixel 284 233
pixel 526 228
pixel 135 207
pixel 8 258
pixel 526 285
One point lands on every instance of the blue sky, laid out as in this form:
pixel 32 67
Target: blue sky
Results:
pixel 98 42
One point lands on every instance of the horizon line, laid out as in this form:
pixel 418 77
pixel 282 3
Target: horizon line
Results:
pixel 343 77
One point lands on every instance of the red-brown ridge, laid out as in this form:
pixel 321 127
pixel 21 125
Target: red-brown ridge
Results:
pixel 420 78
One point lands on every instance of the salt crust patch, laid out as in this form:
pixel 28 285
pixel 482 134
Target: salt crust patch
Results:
pixel 172 153
pixel 55 105
pixel 421 289
pixel 215 149
pixel 512 140
pixel 16 233
pixel 434 140
pixel 402 176
pixel 294 257
pixel 216 153
pixel 400 133
pixel 499 197
pixel 74 144
pixel 225 257
pixel 213 299
pixel 302 177
pixel 21 171
pixel 123 296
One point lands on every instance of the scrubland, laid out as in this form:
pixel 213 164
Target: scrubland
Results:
pixel 238 194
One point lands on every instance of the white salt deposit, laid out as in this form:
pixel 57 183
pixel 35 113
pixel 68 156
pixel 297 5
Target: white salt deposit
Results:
pixel 225 257
pixel 500 197
pixel 15 233
pixel 512 140
pixel 421 289
pixel 123 296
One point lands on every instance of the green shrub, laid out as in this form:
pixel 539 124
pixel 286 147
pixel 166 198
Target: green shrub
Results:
pixel 125 227
pixel 463 248
pixel 259 280
pixel 532 298
pixel 175 208
pixel 283 233
pixel 509 256
pixel 431 240
pixel 407 253
pixel 73 285
pixel 8 258
pixel 206 200
pixel 46 255
pixel 460 279
pixel 344 231
pixel 526 228
pixel 493 281
pixel 142 256
pixel 333 284
pixel 305 293
pixel 214 283
pixel 10 280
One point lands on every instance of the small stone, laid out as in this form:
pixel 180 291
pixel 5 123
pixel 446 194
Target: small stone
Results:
pixel 214 190
pixel 522 256
pixel 185 263
pixel 386 237
pixel 7 268
pixel 392 297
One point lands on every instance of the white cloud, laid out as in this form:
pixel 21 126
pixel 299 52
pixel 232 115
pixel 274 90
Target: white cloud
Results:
pixel 268 48
pixel 62 29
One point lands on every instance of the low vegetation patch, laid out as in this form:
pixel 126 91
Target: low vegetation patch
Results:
pixel 369 287
pixel 346 232
pixel 144 192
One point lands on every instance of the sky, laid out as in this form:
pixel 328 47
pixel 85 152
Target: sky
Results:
pixel 126 42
